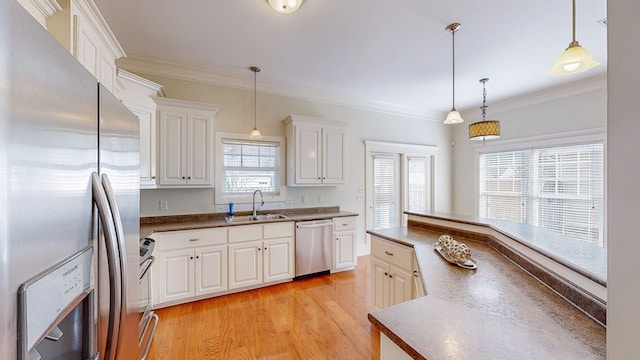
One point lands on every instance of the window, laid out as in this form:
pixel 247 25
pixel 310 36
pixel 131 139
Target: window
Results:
pixel 418 187
pixel 559 188
pixel 250 165
pixel 386 190
pixel 244 166
pixel 399 178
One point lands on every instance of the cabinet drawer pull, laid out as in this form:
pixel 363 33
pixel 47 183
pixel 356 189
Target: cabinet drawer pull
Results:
pixel 388 253
pixel 415 273
pixel 194 239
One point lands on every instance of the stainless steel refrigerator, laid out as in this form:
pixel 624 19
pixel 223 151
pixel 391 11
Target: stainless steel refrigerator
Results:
pixel 68 271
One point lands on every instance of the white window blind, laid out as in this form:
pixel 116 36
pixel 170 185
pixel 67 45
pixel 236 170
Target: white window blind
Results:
pixel 504 185
pixel 385 188
pixel 249 165
pixel 417 183
pixel 557 188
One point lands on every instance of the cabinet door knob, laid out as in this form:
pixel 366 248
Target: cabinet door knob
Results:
pixel 415 273
pixel 388 253
pixel 259 249
pixel 390 276
pixel 183 178
pixel 386 274
pixel 191 257
pixel 188 177
pixel 153 177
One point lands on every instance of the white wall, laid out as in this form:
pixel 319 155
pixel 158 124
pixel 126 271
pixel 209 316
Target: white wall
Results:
pixel 623 128
pixel 581 107
pixel 236 115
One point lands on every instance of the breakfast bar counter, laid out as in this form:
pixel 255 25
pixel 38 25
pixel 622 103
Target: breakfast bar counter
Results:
pixel 498 311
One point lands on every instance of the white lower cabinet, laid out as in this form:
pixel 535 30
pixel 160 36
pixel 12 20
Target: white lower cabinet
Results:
pixel 345 255
pixel 393 276
pixel 261 253
pixel 189 263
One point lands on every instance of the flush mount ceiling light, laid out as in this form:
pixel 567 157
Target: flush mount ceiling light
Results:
pixel 285 6
pixel 453 117
pixel 255 133
pixel 575 58
pixel 485 129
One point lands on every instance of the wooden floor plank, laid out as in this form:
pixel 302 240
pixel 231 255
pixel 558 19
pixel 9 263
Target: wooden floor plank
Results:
pixel 322 317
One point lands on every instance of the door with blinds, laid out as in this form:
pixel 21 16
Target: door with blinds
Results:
pixel 386 209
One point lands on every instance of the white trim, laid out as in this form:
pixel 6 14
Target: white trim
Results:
pixel 41 9
pixel 159 89
pixel 400 148
pixel 240 80
pixel 220 198
pixel 168 102
pixel 566 138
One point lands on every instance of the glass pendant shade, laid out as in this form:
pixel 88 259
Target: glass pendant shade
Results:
pixel 285 6
pixel 453 117
pixel 573 60
pixel 484 130
pixel 255 135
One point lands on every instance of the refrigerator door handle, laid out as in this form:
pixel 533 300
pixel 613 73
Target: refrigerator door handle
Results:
pixel 109 231
pixel 120 243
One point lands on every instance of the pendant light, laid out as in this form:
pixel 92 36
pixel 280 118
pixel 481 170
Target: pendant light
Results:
pixel 285 6
pixel 575 58
pixel 485 129
pixel 255 133
pixel 453 117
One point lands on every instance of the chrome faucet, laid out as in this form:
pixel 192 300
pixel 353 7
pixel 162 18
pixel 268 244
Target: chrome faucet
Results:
pixel 254 216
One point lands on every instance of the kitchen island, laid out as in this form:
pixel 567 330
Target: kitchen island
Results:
pixel 498 311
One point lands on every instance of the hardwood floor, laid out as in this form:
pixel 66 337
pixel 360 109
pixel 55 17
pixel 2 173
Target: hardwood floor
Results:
pixel 318 318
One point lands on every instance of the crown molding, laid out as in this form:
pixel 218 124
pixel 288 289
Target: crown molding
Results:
pixel 159 89
pixel 219 77
pixel 585 86
pixel 177 103
pixel 41 9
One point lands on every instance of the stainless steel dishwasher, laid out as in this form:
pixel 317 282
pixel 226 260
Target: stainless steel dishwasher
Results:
pixel 313 247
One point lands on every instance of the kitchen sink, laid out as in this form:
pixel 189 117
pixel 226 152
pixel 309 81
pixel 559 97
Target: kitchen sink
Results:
pixel 251 218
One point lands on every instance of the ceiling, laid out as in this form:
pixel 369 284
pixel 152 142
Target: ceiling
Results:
pixel 395 54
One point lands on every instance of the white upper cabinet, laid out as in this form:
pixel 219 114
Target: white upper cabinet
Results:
pixel 82 30
pixel 135 93
pixel 185 143
pixel 315 151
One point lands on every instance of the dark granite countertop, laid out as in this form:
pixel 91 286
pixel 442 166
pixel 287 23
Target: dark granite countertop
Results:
pixel 149 225
pixel 587 259
pixel 498 311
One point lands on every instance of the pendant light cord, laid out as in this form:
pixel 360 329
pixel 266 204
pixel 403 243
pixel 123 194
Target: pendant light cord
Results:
pixel 574 22
pixel 255 90
pixel 453 66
